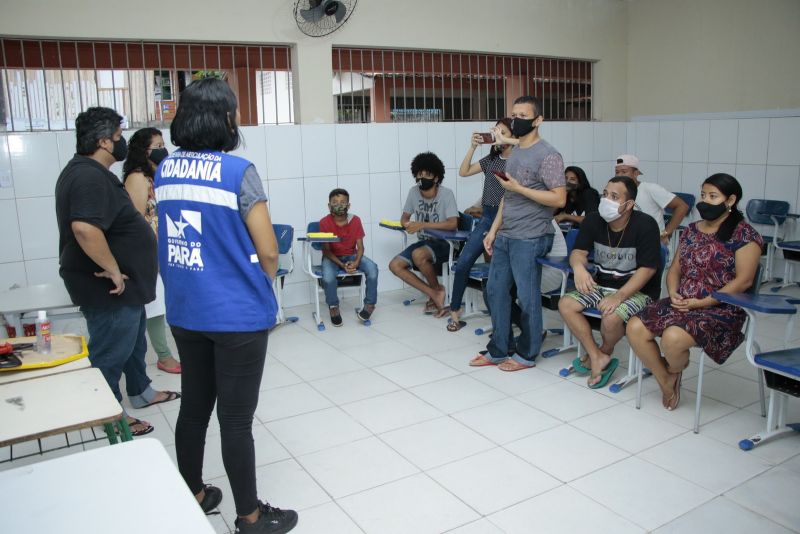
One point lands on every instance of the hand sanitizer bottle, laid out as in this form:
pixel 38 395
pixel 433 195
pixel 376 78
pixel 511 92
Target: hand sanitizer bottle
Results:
pixel 43 341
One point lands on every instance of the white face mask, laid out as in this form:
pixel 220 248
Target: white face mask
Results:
pixel 609 210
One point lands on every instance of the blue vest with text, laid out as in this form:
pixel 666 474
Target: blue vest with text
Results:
pixel 212 278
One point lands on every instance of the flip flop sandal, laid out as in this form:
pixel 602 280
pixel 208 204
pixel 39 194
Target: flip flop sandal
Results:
pixel 430 308
pixel 481 361
pixel 171 396
pixel 511 366
pixel 441 313
pixel 579 368
pixel 453 326
pixel 146 430
pixel 676 394
pixel 605 375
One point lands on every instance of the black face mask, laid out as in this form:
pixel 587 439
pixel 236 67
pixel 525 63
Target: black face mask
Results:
pixel 426 183
pixel 710 212
pixel 120 151
pixel 157 155
pixel 521 127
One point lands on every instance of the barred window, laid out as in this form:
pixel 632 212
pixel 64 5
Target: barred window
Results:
pixel 45 84
pixel 379 85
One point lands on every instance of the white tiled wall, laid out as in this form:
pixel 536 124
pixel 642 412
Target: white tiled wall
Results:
pixel 301 164
pixel 762 153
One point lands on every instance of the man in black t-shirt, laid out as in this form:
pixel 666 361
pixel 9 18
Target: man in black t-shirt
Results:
pixel 107 257
pixel 627 258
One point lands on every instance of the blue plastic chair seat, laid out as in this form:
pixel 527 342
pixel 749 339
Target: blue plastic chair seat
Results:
pixel 281 272
pixel 785 361
pixel 791 245
pixel 479 271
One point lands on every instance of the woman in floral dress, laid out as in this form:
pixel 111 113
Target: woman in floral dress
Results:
pixel 719 253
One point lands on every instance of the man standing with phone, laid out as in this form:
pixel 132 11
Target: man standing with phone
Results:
pixel 522 232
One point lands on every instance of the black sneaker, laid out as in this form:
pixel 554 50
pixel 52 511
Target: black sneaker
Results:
pixel 363 314
pixel 336 317
pixel 211 500
pixel 271 521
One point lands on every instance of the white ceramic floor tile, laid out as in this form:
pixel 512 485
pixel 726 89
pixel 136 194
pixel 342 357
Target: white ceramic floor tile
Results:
pixel 482 526
pixel 560 511
pixel 316 431
pixel 435 338
pixel 457 393
pixel 773 495
pixel 351 334
pixel 727 388
pixel 356 466
pixel 793 464
pixel 743 424
pixel 277 375
pixel 286 484
pixel 415 504
pixel 350 387
pixel 436 442
pixel 628 428
pixel 327 518
pixel 321 362
pixel 566 401
pixel 416 371
pixel 566 452
pixel 710 409
pixel 721 516
pixel 391 411
pixel 642 492
pixel 381 353
pixel 705 461
pixel 493 480
pixel 288 401
pixel 506 420
pixel 514 383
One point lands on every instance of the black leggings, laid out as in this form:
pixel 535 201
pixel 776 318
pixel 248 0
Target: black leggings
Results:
pixel 222 367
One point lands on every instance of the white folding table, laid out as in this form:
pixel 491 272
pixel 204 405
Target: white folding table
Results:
pixel 101 490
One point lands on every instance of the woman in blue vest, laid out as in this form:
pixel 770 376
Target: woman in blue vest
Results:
pixel 217 255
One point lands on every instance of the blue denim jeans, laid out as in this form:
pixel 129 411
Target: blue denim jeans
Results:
pixel 514 261
pixel 330 270
pixel 472 250
pixel 117 345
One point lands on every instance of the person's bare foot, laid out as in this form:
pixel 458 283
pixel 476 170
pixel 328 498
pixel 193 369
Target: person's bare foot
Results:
pixel 438 298
pixel 598 363
pixel 671 391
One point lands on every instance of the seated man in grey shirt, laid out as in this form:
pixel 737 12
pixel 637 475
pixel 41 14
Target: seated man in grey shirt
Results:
pixel 434 207
pixel 521 233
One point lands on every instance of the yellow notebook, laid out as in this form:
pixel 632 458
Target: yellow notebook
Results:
pixel 321 234
pixel 393 224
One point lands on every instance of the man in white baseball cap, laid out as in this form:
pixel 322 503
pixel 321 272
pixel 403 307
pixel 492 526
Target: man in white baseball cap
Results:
pixel 651 198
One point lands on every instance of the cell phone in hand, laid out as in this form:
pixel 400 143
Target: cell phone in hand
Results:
pixel 487 138
pixel 500 175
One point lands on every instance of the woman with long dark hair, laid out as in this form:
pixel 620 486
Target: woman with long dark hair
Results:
pixel 490 200
pixel 718 253
pixel 145 151
pixel 582 198
pixel 218 255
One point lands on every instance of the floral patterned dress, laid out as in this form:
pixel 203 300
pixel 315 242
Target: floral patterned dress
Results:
pixel 707 264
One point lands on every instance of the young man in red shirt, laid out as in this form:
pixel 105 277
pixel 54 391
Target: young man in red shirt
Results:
pixel 345 255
